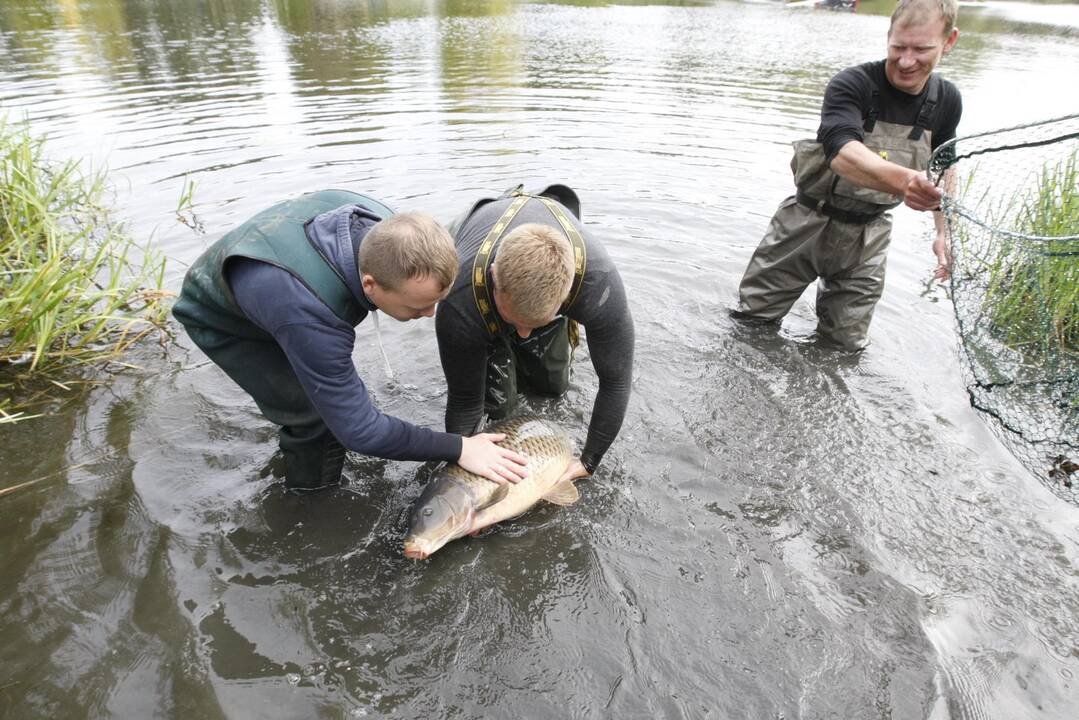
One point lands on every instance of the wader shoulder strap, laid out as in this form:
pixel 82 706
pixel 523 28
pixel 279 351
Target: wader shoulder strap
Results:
pixel 874 111
pixel 928 109
pixel 481 289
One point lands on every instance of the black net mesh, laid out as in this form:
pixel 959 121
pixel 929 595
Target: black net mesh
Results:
pixel 1012 209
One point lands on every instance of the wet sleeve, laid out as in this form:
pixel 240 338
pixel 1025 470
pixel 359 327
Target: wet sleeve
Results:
pixel 319 346
pixel 610 336
pixel 842 113
pixel 462 348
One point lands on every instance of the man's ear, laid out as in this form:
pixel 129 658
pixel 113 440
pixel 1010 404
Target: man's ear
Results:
pixel 953 36
pixel 368 283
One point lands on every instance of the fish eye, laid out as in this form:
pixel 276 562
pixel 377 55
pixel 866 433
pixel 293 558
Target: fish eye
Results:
pixel 428 512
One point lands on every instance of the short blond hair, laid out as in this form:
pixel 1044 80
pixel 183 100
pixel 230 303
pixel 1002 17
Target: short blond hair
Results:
pixel 534 268
pixel 408 245
pixel 915 12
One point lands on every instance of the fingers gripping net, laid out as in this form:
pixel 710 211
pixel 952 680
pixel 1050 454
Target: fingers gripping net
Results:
pixel 1012 209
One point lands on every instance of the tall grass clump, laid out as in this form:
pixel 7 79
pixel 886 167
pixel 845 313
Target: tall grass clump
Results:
pixel 75 290
pixel 1032 298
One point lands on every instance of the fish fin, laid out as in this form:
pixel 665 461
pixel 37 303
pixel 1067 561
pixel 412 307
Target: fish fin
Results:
pixel 564 493
pixel 497 496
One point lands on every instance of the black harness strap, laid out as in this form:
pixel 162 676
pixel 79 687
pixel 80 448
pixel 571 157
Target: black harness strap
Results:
pixel 928 109
pixel 873 113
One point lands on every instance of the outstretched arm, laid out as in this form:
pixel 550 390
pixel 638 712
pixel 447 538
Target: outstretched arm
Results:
pixel 610 338
pixel 861 166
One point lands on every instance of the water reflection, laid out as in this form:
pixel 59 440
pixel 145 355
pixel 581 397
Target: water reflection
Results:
pixel 779 531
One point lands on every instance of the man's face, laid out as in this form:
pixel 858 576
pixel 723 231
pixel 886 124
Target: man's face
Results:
pixel 506 311
pixel 914 49
pixel 413 299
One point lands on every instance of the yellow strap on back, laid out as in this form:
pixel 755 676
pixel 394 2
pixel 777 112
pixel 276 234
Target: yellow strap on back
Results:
pixel 481 289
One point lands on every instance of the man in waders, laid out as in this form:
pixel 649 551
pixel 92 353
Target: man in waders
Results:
pixel 274 304
pixel 880 122
pixel 531 276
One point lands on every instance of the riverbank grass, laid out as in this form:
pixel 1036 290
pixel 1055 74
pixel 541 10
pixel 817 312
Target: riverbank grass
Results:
pixel 1032 297
pixel 76 290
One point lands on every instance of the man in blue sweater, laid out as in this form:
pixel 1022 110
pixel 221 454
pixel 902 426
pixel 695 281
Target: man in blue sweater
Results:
pixel 274 304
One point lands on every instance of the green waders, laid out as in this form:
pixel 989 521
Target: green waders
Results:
pixel 250 356
pixel 836 231
pixel 541 361
pixel 313 456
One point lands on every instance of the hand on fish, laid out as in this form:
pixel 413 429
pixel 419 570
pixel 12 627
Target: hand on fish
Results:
pixel 481 454
pixel 575 471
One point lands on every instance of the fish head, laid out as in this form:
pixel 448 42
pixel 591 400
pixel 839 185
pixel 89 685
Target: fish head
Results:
pixel 444 512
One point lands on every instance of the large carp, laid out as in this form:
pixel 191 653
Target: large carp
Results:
pixel 456 502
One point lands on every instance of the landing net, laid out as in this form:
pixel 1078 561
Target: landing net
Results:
pixel 1012 208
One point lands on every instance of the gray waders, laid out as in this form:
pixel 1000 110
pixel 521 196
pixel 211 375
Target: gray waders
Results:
pixel 541 361
pixel 834 231
pixel 250 356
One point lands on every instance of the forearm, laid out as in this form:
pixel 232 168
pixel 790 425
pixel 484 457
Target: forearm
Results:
pixel 463 415
pixel 949 183
pixel 858 164
pixel 465 384
pixel 608 413
pixel 611 347
pixel 465 371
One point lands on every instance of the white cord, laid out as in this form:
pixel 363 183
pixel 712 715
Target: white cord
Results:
pixel 381 348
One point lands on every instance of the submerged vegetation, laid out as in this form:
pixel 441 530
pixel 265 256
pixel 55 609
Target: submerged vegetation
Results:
pixel 76 290
pixel 1032 297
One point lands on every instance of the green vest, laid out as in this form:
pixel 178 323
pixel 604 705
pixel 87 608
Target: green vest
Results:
pixel 278 236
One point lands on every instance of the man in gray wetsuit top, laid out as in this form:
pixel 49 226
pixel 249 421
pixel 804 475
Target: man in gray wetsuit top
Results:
pixel 880 123
pixel 530 276
pixel 274 304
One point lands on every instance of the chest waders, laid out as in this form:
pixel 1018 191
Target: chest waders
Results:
pixel 834 231
pixel 542 360
pixel 313 457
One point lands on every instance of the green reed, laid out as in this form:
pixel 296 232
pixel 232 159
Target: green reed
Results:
pixel 1033 290
pixel 75 289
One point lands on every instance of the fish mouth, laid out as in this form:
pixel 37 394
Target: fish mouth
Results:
pixel 415 551
pixel 421 548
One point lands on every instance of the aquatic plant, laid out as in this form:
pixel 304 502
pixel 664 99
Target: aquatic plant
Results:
pixel 76 290
pixel 1032 296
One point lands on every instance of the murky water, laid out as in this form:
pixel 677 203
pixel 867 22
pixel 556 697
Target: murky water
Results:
pixel 779 532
